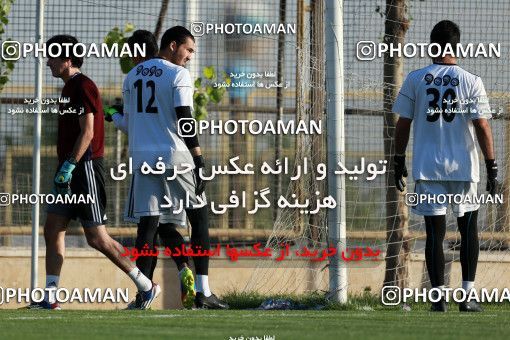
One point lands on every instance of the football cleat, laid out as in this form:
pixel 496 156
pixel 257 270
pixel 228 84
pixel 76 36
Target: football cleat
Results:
pixel 470 306
pixel 439 306
pixel 187 288
pixel 209 302
pixel 148 296
pixel 136 303
pixel 43 305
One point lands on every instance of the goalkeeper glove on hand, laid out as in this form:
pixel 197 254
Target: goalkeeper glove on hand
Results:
pixel 199 163
pixel 63 177
pixel 400 171
pixel 492 174
pixel 109 111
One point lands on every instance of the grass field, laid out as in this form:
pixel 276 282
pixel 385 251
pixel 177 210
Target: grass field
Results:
pixel 364 323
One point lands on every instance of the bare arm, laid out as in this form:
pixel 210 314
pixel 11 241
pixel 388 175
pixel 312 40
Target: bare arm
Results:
pixel 484 135
pixel 402 130
pixel 195 151
pixel 85 137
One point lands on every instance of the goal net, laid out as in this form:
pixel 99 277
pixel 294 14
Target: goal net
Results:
pixel 374 215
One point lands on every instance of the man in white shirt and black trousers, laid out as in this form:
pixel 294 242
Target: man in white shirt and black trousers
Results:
pixel 448 107
pixel 158 96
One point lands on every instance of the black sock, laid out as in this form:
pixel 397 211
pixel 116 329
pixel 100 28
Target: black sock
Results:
pixel 146 232
pixel 154 259
pixel 172 239
pixel 469 244
pixel 198 219
pixel 434 256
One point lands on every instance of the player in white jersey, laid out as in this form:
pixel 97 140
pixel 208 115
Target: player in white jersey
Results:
pixel 167 222
pixel 448 106
pixel 158 94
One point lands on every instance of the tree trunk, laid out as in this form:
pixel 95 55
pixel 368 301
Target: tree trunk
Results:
pixel 397 253
pixel 161 18
pixel 317 97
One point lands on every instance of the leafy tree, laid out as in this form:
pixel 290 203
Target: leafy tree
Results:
pixel 118 36
pixel 6 66
pixel 206 91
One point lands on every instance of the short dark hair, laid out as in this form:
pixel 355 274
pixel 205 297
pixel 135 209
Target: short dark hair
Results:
pixel 66 53
pixel 178 34
pixel 445 32
pixel 143 37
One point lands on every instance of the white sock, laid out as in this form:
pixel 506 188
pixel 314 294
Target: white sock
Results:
pixel 202 285
pixel 468 285
pixel 141 281
pixel 51 281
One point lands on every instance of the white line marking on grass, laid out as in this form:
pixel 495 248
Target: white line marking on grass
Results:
pixel 155 316
pixel 33 317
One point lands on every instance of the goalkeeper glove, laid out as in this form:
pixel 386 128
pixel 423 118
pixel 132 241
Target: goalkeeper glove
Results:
pixel 400 171
pixel 199 163
pixel 492 174
pixel 63 177
pixel 109 111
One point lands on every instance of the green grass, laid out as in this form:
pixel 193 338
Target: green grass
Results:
pixel 358 323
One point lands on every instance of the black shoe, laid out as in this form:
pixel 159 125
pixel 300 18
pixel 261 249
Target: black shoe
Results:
pixel 43 305
pixel 209 302
pixel 136 303
pixel 470 306
pixel 439 306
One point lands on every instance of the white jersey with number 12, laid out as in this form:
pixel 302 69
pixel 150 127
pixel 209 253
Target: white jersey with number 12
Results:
pixel 151 91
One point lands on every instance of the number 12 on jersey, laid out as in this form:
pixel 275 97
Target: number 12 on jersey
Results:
pixel 139 97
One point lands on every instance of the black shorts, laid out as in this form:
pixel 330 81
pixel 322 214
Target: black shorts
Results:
pixel 88 179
